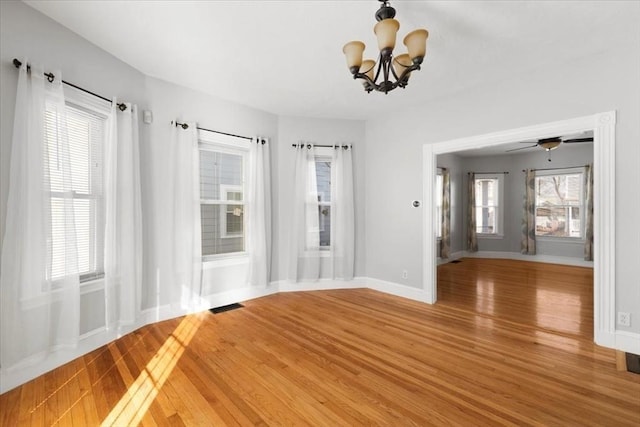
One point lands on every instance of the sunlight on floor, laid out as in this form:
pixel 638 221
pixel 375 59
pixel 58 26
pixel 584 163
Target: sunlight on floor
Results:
pixel 134 404
pixel 550 303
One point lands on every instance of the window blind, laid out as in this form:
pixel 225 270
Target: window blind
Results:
pixel 83 179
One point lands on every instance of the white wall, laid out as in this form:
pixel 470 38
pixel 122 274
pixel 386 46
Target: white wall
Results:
pixel 326 132
pixel 604 82
pixel 514 193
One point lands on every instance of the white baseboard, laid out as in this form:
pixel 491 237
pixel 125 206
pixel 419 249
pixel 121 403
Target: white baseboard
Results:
pixel 622 340
pixel 627 341
pixel 550 259
pixel 398 290
pixel 319 285
pixel 452 257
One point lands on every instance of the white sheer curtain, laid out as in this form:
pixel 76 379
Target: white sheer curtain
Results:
pixel 186 229
pixel 258 206
pixel 342 228
pixel 39 314
pixel 123 215
pixel 308 260
pixel 304 256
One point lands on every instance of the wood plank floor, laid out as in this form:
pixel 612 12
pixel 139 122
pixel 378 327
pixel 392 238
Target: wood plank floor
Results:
pixel 511 346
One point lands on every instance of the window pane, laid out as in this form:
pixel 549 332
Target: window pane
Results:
pixel 487 192
pixel 213 241
pixel 323 182
pixel 324 222
pixel 235 220
pixel 559 221
pixel 558 190
pixel 217 169
pixel 323 179
pixel 222 180
pixel 558 201
pixel 486 220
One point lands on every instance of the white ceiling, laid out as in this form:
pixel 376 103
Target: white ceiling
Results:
pixel 286 57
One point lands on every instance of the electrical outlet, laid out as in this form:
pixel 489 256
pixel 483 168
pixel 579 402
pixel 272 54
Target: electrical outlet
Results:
pixel 405 274
pixel 624 319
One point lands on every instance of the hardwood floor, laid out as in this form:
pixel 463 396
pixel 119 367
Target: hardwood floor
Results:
pixel 511 347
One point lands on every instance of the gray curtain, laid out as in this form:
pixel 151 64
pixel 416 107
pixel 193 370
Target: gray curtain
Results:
pixel 528 242
pixel 588 212
pixel 472 241
pixel 445 241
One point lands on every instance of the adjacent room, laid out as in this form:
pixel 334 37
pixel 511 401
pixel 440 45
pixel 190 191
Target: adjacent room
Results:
pixel 319 212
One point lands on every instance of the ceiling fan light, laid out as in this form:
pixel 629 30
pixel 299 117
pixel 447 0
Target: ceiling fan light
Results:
pixel 416 43
pixel 385 31
pixel 353 52
pixel 549 145
pixel 401 63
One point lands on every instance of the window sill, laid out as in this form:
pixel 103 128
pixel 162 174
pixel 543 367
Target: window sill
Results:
pixel 324 252
pixel 223 260
pixel 490 236
pixel 557 239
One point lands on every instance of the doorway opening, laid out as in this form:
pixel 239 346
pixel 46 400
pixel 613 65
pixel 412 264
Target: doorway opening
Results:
pixel 603 127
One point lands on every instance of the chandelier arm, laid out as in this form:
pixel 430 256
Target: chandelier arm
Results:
pixel 380 62
pixel 363 76
pixel 407 70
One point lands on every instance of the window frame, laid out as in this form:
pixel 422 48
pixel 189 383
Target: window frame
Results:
pixel 233 146
pixel 499 208
pixel 581 205
pixel 97 219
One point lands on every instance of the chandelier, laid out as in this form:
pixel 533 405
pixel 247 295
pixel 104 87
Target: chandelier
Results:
pixel 394 71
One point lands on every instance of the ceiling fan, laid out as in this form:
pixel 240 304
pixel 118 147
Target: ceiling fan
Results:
pixel 549 144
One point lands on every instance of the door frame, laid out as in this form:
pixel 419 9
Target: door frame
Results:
pixel 603 126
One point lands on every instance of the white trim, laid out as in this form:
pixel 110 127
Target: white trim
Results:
pixel 224 260
pixel 398 290
pixel 603 127
pixel 627 341
pixel 549 259
pixel 92 340
pixel 320 285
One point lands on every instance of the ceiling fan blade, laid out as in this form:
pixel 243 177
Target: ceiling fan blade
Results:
pixel 570 141
pixel 523 148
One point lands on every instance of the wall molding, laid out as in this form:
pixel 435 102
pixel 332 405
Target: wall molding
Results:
pixel 603 127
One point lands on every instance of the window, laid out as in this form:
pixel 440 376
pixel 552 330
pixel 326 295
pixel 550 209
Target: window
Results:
pixel 85 130
pixel 222 178
pixel 439 191
pixel 323 182
pixel 559 201
pixel 488 195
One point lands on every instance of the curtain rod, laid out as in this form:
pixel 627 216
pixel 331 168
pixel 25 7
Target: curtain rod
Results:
pixel 324 146
pixel 51 77
pixel 487 173
pixel 556 169
pixel 186 126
